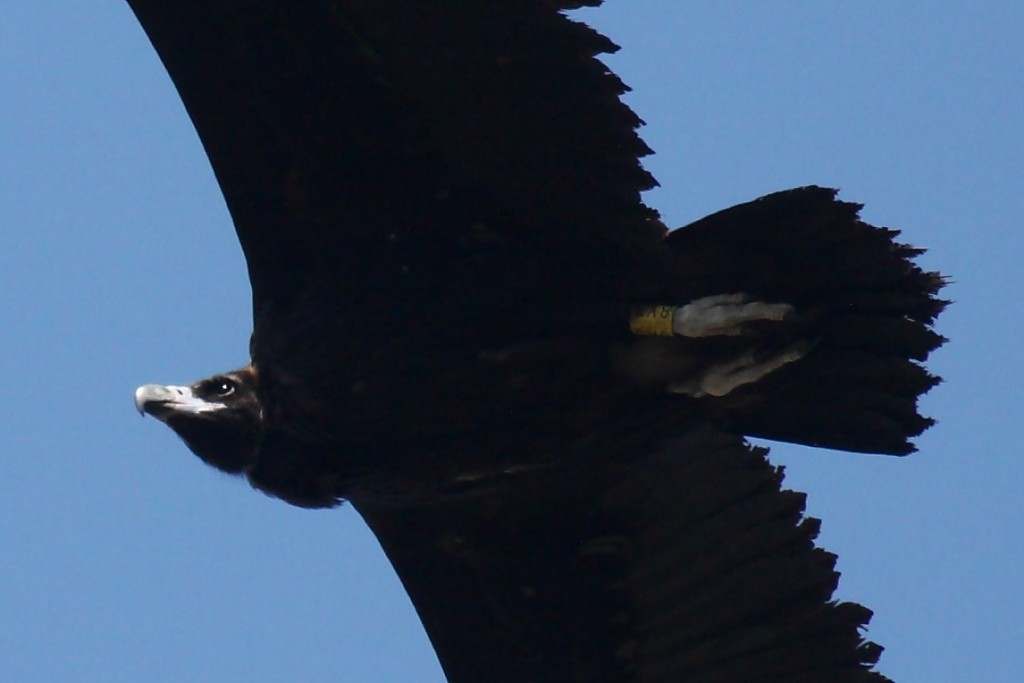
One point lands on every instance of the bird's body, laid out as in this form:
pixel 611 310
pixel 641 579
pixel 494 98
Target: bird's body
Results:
pixel 460 308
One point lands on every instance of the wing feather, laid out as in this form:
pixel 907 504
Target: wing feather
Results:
pixel 348 134
pixel 413 184
pixel 690 563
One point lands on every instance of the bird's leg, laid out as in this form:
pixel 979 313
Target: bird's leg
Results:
pixel 709 316
pixel 721 378
pixel 721 315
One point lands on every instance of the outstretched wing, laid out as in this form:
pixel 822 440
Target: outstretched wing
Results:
pixel 413 183
pixel 362 142
pixel 688 564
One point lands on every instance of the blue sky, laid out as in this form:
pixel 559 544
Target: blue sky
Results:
pixel 122 558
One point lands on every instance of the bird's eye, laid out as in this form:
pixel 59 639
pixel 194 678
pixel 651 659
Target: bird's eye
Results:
pixel 222 387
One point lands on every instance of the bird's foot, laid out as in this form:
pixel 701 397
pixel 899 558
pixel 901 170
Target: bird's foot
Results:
pixel 709 316
pixel 724 314
pixel 722 378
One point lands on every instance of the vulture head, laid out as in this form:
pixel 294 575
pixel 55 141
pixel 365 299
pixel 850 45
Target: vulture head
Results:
pixel 219 418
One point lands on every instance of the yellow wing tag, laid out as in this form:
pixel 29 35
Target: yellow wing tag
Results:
pixel 652 321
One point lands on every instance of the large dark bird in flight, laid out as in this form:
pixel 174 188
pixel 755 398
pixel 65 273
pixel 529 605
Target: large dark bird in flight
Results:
pixel 468 325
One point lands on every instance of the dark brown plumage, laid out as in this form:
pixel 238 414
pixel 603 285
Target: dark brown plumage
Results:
pixel 439 204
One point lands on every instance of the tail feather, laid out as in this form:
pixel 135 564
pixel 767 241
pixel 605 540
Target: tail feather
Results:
pixel 861 299
pixel 882 334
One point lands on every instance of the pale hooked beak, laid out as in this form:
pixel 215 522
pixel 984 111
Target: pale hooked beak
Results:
pixel 162 402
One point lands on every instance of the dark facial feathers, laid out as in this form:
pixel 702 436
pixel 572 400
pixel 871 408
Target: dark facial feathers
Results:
pixel 218 418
